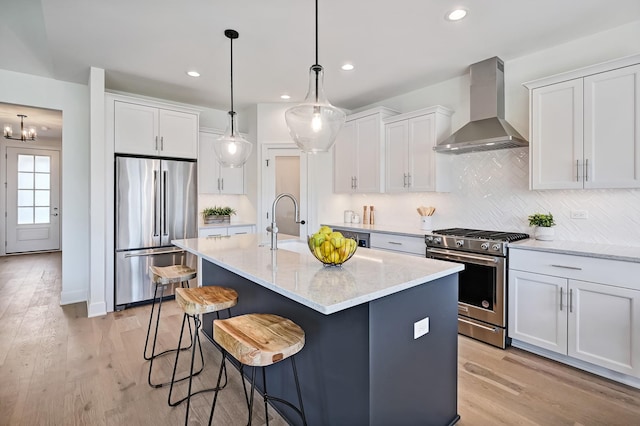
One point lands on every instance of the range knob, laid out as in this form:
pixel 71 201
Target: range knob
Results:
pixel 459 243
pixel 484 246
pixel 496 247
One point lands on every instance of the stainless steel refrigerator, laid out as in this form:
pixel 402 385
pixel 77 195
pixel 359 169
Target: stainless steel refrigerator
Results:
pixel 156 202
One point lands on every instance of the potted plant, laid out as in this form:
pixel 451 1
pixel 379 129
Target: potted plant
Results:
pixel 217 214
pixel 544 226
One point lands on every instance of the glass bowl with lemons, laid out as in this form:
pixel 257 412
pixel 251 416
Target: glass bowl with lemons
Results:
pixel 331 247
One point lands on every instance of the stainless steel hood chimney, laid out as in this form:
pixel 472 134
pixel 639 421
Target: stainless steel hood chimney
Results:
pixel 487 129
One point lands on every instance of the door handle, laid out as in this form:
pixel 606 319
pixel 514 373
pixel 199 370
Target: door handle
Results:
pixel 586 170
pixel 54 214
pixel 577 171
pixel 561 294
pixel 161 143
pixel 164 205
pixel 155 204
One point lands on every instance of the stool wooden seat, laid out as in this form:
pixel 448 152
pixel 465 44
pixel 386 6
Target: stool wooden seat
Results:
pixel 161 277
pixel 193 302
pixel 203 300
pixel 259 340
pixel 173 274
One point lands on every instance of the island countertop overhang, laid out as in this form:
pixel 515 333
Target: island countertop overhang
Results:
pixel 368 275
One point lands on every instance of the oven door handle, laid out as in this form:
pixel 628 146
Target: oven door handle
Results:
pixel 475 324
pixel 448 255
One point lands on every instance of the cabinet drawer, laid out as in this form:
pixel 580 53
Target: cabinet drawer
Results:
pixel 612 272
pixel 399 243
pixel 234 230
pixel 213 232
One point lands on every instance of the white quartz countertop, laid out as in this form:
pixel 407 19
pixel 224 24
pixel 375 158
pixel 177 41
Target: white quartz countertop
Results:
pixel 603 251
pixel 293 272
pixel 411 231
pixel 224 225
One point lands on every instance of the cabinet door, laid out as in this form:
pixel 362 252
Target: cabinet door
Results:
pixel 232 180
pixel 178 133
pixel 368 154
pixel 537 310
pixel 556 147
pixel 208 166
pixel 422 157
pixel 344 159
pixel 612 129
pixel 604 326
pixel 396 143
pixel 135 129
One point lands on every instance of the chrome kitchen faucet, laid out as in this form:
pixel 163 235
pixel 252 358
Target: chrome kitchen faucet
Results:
pixel 273 228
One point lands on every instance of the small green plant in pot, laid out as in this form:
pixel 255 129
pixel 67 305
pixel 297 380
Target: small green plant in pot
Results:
pixel 544 226
pixel 217 214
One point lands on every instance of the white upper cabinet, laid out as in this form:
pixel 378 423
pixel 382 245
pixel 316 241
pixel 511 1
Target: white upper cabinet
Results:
pixel 585 127
pixel 143 128
pixel 411 164
pixel 358 154
pixel 213 179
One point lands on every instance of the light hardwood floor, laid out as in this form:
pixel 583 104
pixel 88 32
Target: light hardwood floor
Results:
pixel 58 367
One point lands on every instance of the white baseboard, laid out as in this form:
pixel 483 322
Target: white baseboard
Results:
pixel 577 363
pixel 96 309
pixel 76 296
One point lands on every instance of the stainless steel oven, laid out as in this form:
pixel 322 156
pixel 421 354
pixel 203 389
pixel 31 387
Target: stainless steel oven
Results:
pixel 482 286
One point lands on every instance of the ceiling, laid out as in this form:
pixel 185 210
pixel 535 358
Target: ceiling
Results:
pixel 146 46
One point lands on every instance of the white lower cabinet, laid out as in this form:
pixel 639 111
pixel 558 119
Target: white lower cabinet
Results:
pixel 222 231
pixel 598 323
pixel 404 244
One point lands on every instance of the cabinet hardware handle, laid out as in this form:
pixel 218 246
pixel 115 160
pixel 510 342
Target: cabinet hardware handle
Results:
pixel 491 329
pixel 222 184
pixel 561 294
pixel 161 143
pixel 156 145
pixel 577 171
pixel 575 268
pixel 239 233
pixel 586 170
pixel 408 180
pixel 355 182
pixel 218 184
pixel 395 243
pixel 570 300
pixel 155 253
pixel 404 180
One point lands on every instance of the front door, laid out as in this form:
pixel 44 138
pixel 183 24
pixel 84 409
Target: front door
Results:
pixel 33 196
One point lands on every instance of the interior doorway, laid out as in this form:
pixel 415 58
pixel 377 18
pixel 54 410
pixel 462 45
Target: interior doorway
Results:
pixel 284 171
pixel 32 174
pixel 33 199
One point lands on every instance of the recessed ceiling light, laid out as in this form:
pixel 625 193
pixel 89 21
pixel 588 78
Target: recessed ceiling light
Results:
pixel 193 73
pixel 285 97
pixel 347 67
pixel 456 15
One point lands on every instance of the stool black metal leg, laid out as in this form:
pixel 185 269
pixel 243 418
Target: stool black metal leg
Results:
pixel 253 388
pixel 195 340
pixel 265 396
pixel 223 366
pixel 196 336
pixel 295 376
pixel 153 306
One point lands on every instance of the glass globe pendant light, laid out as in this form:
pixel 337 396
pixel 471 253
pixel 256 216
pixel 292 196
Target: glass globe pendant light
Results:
pixel 232 150
pixel 315 123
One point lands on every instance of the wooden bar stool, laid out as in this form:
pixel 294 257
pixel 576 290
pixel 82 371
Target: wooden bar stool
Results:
pixel 259 340
pixel 163 276
pixel 196 301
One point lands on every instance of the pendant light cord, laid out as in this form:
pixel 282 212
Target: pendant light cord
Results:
pixel 231 40
pixel 318 65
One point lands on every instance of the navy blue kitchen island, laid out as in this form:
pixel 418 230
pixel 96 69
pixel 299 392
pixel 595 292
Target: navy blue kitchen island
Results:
pixel 361 364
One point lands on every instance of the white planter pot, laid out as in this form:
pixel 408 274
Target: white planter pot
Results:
pixel 545 233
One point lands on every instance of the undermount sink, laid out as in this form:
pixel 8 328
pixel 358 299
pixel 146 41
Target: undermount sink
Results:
pixel 297 246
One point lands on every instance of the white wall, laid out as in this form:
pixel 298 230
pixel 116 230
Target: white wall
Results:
pixel 490 190
pixel 73 100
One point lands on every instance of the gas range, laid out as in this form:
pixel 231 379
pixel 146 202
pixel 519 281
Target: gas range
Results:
pixel 473 240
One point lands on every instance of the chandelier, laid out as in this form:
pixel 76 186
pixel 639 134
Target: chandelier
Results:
pixel 25 134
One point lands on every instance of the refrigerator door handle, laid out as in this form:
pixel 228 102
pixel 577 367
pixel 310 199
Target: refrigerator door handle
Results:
pixel 164 204
pixel 155 204
pixel 152 253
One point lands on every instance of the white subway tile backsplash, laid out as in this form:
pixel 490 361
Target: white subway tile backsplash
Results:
pixel 490 190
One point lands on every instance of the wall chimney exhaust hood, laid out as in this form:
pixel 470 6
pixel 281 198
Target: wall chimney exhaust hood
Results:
pixel 487 130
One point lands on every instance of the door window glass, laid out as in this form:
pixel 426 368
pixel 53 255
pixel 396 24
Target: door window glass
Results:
pixel 34 189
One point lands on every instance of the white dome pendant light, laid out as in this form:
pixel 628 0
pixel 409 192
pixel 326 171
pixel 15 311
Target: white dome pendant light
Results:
pixel 315 123
pixel 231 148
